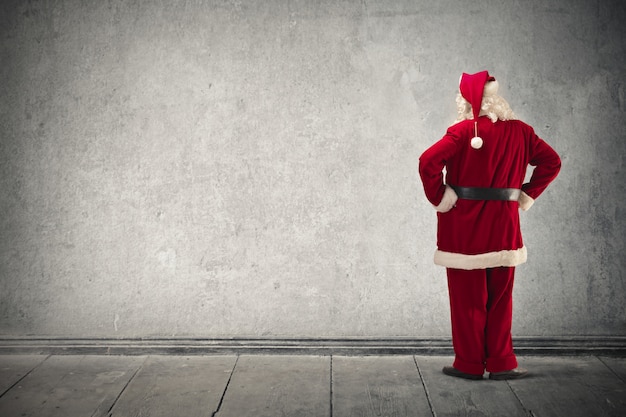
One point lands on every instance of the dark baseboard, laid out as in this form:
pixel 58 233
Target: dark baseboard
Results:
pixel 562 345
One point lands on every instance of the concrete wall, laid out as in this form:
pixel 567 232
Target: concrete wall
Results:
pixel 249 168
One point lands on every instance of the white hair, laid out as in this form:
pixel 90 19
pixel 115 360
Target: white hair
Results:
pixel 493 106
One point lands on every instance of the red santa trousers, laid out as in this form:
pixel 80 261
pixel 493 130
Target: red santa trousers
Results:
pixel 481 309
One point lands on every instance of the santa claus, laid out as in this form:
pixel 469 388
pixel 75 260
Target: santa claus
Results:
pixel 485 156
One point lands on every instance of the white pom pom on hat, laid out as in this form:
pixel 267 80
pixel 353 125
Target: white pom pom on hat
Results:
pixel 473 87
pixel 476 142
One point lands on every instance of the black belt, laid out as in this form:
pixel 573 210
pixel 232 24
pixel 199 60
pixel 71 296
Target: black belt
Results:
pixel 478 193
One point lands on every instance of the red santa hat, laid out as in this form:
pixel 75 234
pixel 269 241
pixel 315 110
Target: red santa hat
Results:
pixel 472 87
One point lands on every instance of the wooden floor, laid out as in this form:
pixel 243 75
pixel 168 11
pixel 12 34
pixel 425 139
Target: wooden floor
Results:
pixel 317 386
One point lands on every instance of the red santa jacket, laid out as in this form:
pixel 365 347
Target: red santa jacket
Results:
pixel 476 234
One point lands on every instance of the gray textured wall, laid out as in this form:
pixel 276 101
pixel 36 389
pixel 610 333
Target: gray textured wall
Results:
pixel 249 168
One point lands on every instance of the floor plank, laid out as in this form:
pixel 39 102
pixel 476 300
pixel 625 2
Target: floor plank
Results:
pixel 377 386
pixel 617 365
pixel 14 367
pixel 70 386
pixel 278 386
pixel 166 385
pixel 451 396
pixel 570 386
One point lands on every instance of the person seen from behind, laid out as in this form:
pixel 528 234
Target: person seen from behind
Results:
pixel 485 156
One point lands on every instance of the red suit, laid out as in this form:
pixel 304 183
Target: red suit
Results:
pixel 480 241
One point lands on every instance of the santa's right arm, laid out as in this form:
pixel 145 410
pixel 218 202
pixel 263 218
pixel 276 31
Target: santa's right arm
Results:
pixel 547 165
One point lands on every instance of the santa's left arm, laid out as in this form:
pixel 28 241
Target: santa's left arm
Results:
pixel 547 166
pixel 431 165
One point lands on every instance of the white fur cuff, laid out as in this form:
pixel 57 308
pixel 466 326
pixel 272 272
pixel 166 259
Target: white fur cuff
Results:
pixel 448 201
pixel 525 201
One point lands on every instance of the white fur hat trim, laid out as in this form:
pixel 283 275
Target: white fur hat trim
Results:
pixel 491 88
